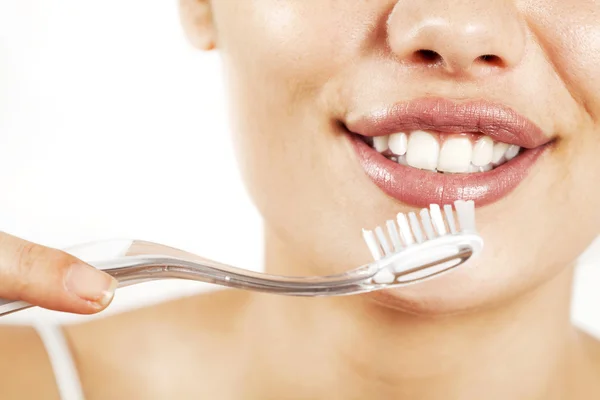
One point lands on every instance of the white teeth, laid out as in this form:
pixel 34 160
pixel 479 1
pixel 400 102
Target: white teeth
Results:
pixel 423 151
pixel 483 151
pixel 499 151
pixel 512 152
pixel 398 143
pixel 458 154
pixel 455 155
pixel 380 143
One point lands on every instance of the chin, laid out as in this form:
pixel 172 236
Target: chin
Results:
pixel 474 287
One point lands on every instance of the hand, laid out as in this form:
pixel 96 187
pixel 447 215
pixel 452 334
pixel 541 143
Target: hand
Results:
pixel 51 278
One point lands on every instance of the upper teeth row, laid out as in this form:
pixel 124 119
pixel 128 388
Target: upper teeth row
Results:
pixel 457 154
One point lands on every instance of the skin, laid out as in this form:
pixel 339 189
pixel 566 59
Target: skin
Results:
pixel 296 69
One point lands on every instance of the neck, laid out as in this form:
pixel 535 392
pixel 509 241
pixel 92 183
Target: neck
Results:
pixel 351 347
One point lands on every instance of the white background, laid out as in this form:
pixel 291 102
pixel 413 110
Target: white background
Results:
pixel 112 126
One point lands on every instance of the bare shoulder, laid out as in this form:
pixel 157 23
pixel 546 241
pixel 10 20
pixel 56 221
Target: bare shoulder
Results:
pixel 590 387
pixel 24 357
pixel 161 351
pixel 592 346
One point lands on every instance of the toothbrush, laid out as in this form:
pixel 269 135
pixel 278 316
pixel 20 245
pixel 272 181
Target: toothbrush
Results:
pixel 421 247
pixel 414 248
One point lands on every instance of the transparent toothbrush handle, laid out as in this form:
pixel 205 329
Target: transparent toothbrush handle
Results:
pixel 138 261
pixel 10 306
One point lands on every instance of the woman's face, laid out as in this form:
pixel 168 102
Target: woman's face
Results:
pixel 310 80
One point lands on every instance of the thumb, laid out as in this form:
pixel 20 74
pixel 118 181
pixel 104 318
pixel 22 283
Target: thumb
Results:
pixel 51 278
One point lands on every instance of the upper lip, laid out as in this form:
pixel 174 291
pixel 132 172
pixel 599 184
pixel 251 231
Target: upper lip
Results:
pixel 501 123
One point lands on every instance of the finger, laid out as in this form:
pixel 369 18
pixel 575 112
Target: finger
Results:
pixel 51 278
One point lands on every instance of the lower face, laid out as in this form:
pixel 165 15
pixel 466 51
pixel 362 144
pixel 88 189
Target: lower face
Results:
pixel 334 135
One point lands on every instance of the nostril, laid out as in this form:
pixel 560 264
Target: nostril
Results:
pixel 491 60
pixel 428 56
pixel 454 62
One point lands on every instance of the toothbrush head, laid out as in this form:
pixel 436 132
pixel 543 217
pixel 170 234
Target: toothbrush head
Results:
pixel 417 247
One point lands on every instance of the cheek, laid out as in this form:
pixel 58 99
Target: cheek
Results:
pixel 275 61
pixel 570 35
pixel 292 42
pixel 278 57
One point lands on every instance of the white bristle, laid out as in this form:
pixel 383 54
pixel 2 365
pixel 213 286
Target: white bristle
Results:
pixel 471 215
pixel 372 244
pixel 465 211
pixel 410 228
pixel 459 205
pixel 416 227
pixel 393 234
pixel 383 241
pixel 438 219
pixel 449 211
pixel 426 220
pixel 405 232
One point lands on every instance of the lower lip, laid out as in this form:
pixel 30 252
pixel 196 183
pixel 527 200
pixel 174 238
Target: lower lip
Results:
pixel 421 188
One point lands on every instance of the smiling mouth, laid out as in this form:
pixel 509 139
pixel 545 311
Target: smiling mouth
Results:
pixel 435 151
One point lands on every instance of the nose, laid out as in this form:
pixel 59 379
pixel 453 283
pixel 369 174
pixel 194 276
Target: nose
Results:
pixel 461 36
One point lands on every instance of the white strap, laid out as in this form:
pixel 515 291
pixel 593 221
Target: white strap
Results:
pixel 65 372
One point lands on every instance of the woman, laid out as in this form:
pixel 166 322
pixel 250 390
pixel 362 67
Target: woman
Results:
pixel 499 102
